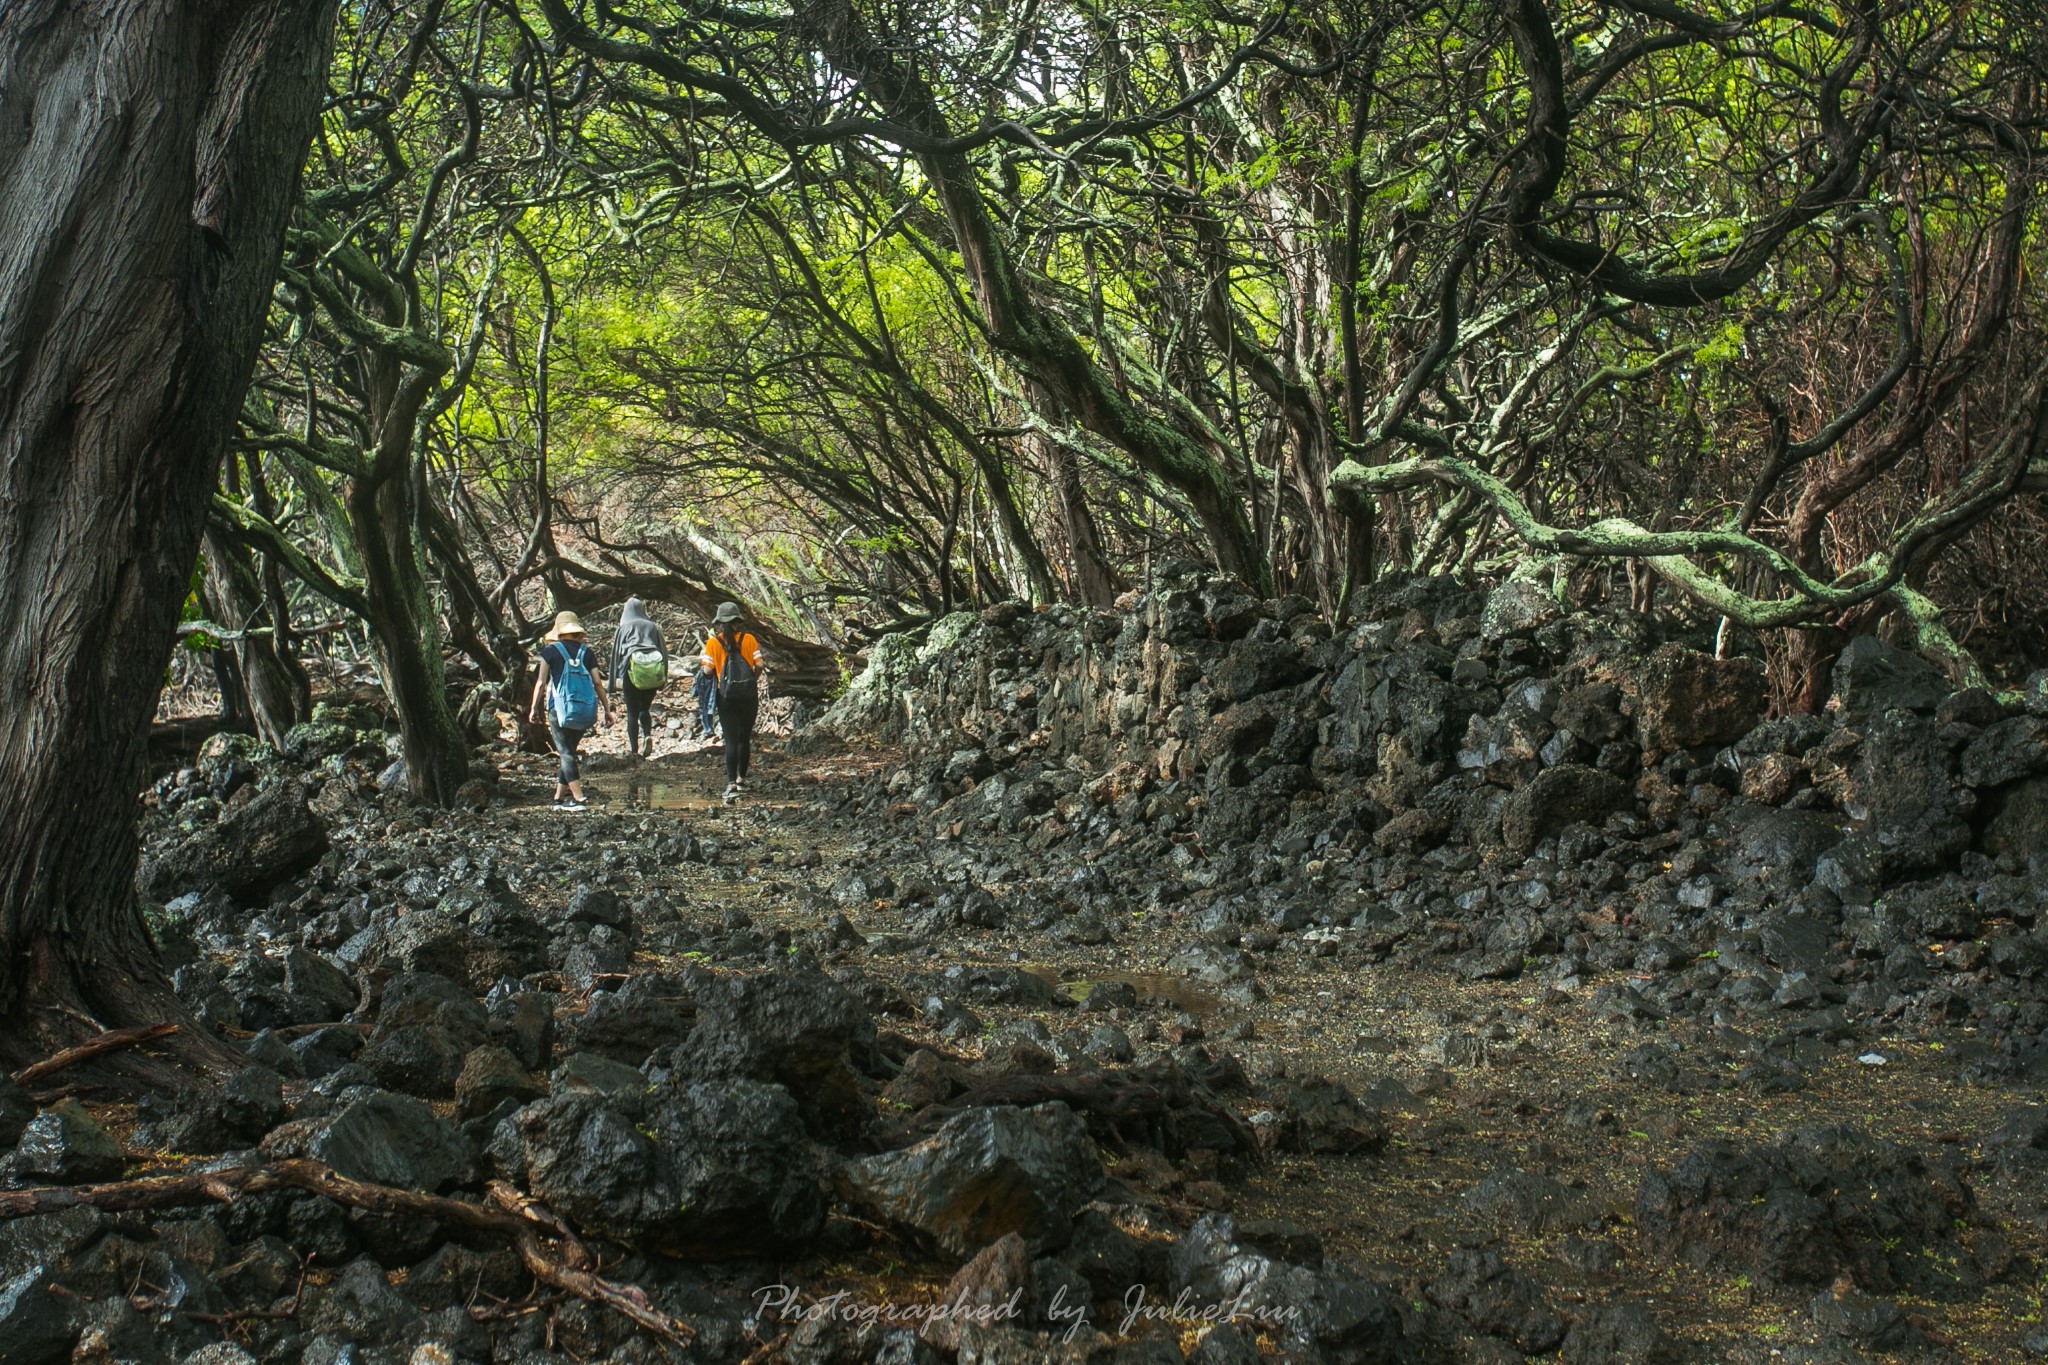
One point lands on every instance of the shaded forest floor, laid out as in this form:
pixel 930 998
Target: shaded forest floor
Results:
pixel 1479 1084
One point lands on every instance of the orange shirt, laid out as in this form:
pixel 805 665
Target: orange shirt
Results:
pixel 749 649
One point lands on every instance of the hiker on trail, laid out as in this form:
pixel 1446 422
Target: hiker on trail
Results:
pixel 735 657
pixel 639 668
pixel 575 700
pixel 704 687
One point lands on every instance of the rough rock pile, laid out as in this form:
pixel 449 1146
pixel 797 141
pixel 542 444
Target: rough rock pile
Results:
pixel 507 1010
pixel 431 1002
pixel 1495 780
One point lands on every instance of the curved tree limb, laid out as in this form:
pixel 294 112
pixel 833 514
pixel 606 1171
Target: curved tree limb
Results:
pixel 1540 169
pixel 2014 465
pixel 246 524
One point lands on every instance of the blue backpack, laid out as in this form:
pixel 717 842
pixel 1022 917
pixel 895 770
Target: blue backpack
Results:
pixel 572 696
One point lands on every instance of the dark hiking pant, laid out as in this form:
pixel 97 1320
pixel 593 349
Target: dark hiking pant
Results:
pixel 565 749
pixel 736 718
pixel 639 716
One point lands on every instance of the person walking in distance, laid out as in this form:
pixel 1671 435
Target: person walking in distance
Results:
pixel 575 701
pixel 735 657
pixel 639 668
pixel 704 687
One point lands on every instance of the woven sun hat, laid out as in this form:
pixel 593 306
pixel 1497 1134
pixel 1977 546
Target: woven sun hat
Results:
pixel 567 627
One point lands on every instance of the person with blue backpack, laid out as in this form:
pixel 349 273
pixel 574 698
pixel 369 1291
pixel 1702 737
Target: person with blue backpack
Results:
pixel 575 701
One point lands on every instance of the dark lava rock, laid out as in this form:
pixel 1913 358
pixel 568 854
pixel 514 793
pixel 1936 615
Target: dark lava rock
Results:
pixel 2016 819
pixel 47 1239
pixel 490 1077
pixel 986 1173
pixel 360 1307
pixel 599 905
pixel 1797 943
pixel 1684 699
pixel 796 1027
pixel 67 1146
pixel 429 998
pixel 249 1105
pixel 1564 795
pixel 1318 1116
pixel 311 977
pixel 631 1023
pixel 419 1059
pixel 995 1281
pixel 719 1169
pixel 1871 675
pixel 16 1109
pixel 384 1138
pixel 926 1078
pixel 2007 752
pixel 1103 1254
pixel 255 846
pixel 1769 845
pixel 1876 1323
pixel 1338 1317
pixel 1820 1202
pixel 426 1025
pixel 1619 1334
pixel 1226 1344
pixel 1498 1299
pixel 524 1021
pixel 35 1326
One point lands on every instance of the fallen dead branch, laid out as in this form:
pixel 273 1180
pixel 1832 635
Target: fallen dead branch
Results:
pixel 113 1040
pixel 552 1252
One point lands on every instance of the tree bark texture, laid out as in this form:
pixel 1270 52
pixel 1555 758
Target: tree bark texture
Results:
pixel 405 633
pixel 148 152
pixel 276 695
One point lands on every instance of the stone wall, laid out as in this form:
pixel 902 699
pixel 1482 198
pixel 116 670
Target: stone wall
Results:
pixel 1499 720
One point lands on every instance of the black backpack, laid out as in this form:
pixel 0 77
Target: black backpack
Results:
pixel 736 680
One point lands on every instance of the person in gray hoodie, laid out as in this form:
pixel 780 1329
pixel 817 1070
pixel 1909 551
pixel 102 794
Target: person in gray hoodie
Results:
pixel 639 667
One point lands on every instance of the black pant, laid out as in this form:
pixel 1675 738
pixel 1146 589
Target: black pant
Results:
pixel 565 749
pixel 736 718
pixel 639 715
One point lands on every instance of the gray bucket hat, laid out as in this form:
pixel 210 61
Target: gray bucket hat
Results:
pixel 727 611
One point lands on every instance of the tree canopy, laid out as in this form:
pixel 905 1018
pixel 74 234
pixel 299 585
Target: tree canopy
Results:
pixel 866 313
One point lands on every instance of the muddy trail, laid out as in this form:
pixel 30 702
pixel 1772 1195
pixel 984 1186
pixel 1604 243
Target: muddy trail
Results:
pixel 1194 983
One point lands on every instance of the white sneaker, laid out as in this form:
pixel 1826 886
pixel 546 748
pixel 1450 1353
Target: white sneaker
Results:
pixel 732 793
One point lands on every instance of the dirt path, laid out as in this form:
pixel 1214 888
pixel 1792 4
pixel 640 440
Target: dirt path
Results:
pixel 1470 1078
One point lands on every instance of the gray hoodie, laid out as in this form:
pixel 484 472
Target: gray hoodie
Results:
pixel 636 631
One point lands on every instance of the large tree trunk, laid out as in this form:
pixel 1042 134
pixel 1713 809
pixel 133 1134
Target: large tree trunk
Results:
pixel 147 155
pixel 406 636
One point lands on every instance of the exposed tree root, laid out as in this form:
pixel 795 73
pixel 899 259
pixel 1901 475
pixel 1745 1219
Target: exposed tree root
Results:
pixel 110 1041
pixel 552 1252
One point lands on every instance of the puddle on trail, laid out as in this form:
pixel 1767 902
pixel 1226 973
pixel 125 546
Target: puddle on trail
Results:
pixel 1177 991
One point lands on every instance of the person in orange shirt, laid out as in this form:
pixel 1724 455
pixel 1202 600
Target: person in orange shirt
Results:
pixel 735 658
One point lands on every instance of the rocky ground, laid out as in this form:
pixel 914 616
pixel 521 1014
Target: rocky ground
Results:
pixel 1480 983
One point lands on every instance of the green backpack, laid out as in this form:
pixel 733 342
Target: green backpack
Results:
pixel 647 669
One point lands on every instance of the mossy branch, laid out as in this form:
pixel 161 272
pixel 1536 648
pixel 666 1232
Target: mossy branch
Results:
pixel 249 525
